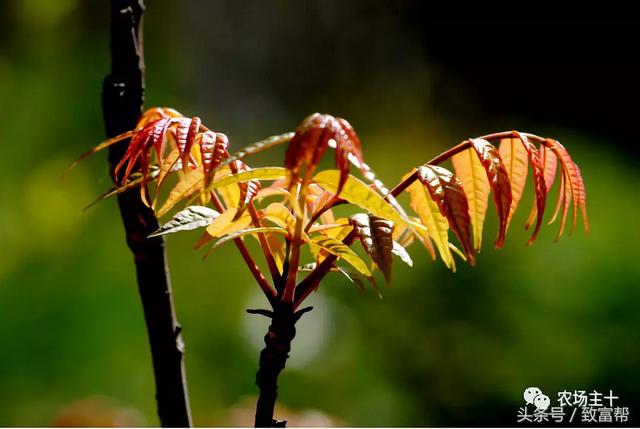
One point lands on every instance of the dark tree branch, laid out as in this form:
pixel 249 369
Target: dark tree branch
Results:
pixel 122 100
pixel 273 359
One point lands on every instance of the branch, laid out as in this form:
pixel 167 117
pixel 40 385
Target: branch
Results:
pixel 122 99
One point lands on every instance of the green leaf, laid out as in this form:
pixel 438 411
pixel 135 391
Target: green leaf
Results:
pixel 190 218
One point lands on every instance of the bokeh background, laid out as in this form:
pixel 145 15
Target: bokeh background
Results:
pixel 439 348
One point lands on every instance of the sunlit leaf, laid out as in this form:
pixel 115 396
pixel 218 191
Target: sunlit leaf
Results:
pixel 262 173
pixel 277 249
pixel 446 191
pixel 514 157
pixel 190 218
pixel 429 214
pixel 312 139
pixel 565 206
pixel 270 192
pixel 375 234
pixel 230 193
pixel 402 253
pixel 224 225
pixel 357 192
pixel 187 186
pixel 248 190
pixel 499 182
pixel 213 149
pixel 574 187
pixel 279 214
pixel 340 250
pixel 539 181
pixel 476 185
pixel 550 165
pixel 582 198
pixel 549 162
pixel 185 149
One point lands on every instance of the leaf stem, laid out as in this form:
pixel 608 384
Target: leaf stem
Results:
pixel 268 290
pixel 309 283
pixel 268 255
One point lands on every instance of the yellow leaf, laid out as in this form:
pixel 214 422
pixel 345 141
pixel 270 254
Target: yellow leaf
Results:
pixel 277 249
pixel 476 185
pixel 340 250
pixel 515 158
pixel 165 167
pixel 279 214
pixel 338 230
pixel 270 192
pixel 224 225
pixel 357 192
pixel 230 193
pixel 430 215
pixel 188 185
pixel 265 173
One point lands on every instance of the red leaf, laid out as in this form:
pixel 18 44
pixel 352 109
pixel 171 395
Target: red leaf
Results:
pixel 347 145
pixel 181 132
pixel 158 140
pixel 574 186
pixel 137 149
pixel 312 139
pixel 539 182
pixel 582 193
pixel 446 190
pixel 550 163
pixel 499 181
pixel 213 149
pixel 194 128
pixel 376 235
pixel 248 190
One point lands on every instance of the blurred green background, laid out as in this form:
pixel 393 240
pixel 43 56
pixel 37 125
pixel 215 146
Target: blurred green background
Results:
pixel 439 348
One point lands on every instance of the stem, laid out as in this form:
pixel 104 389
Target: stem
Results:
pixel 312 280
pixel 271 262
pixel 400 187
pixel 309 283
pixel 299 206
pixel 268 290
pixel 122 99
pixel 272 361
pixel 255 218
